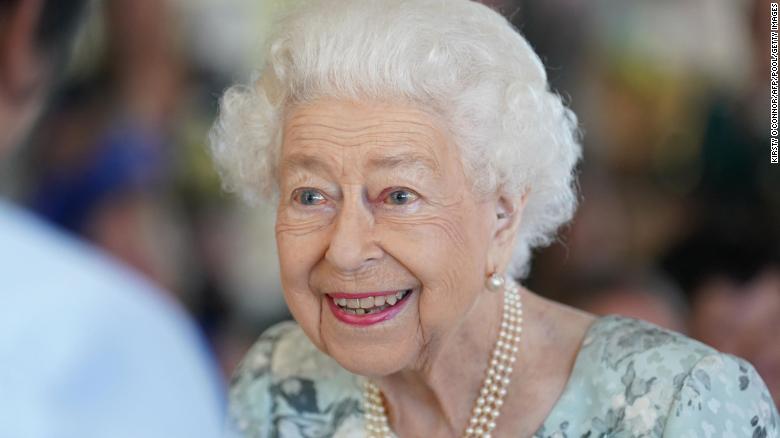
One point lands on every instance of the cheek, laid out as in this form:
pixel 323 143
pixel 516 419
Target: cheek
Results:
pixel 446 253
pixel 300 247
pixel 300 243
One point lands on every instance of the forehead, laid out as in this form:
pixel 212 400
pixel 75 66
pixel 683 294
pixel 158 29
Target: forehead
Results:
pixel 379 134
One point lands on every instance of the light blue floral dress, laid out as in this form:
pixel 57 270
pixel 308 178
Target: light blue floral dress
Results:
pixel 630 379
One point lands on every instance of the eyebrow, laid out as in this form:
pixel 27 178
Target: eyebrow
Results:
pixel 315 164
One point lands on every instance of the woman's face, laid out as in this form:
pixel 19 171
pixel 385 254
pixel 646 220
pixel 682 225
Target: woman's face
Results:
pixel 374 201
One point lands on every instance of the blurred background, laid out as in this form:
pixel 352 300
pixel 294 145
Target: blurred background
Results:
pixel 680 209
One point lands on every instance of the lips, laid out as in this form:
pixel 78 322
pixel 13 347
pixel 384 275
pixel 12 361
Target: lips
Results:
pixel 367 308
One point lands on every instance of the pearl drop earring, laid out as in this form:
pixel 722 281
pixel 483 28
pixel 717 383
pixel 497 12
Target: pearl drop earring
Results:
pixel 495 282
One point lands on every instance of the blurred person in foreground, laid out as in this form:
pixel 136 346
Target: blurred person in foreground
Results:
pixel 416 155
pixel 87 349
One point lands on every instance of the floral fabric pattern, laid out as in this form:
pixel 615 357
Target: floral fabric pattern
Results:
pixel 630 379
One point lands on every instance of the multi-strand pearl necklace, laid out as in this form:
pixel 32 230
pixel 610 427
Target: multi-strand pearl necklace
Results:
pixel 494 388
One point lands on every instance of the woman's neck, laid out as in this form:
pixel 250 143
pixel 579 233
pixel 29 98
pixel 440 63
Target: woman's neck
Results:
pixel 438 394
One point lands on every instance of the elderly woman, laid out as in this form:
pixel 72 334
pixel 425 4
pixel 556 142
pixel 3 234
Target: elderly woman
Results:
pixel 416 155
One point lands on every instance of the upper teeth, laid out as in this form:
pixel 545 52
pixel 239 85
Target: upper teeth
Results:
pixel 369 302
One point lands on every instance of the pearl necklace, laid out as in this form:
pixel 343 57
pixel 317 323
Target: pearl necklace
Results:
pixel 494 388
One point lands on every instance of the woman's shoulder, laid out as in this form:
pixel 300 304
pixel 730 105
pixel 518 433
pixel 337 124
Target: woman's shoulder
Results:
pixel 615 342
pixel 633 378
pixel 284 383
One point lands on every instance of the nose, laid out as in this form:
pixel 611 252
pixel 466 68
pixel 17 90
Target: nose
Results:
pixel 352 245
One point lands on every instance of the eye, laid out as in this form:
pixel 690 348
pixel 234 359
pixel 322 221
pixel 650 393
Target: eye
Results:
pixel 400 197
pixel 308 196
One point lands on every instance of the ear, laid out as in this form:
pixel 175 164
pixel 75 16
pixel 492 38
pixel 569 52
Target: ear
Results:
pixel 21 63
pixel 508 217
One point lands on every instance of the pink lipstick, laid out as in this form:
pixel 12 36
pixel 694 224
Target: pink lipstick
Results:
pixel 384 314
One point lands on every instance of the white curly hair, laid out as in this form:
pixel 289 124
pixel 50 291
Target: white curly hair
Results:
pixel 458 58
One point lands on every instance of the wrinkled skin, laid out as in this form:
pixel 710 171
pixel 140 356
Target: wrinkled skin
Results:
pixel 374 197
pixel 374 225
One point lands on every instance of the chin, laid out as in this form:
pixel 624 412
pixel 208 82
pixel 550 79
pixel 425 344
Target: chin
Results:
pixel 376 361
pixel 371 350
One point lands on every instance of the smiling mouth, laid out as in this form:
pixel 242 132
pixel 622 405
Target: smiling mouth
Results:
pixel 371 304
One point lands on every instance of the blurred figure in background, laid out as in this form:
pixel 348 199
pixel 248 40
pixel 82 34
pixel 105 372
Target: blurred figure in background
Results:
pixel 674 98
pixel 88 349
pixel 642 295
pixel 730 268
pixel 115 161
pixel 103 155
pixel 727 258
